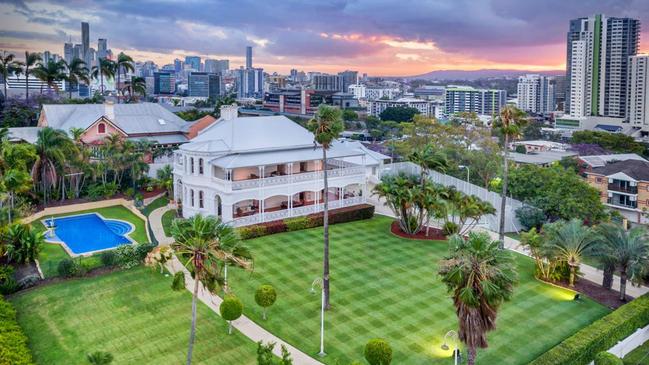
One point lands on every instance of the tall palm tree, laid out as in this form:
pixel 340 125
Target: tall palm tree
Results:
pixel 50 73
pixel 135 87
pixel 429 158
pixel 76 71
pixel 105 69
pixel 628 250
pixel 8 66
pixel 203 243
pixel 509 125
pixel 326 127
pixel 15 181
pixel 31 59
pixel 124 63
pixel 479 276
pixel 570 242
pixel 52 146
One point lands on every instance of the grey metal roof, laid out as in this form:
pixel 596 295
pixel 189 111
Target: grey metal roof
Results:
pixel 163 139
pixel 602 160
pixel 539 158
pixel 131 118
pixel 26 134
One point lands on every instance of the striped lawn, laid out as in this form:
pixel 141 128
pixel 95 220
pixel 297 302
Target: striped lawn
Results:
pixel 385 286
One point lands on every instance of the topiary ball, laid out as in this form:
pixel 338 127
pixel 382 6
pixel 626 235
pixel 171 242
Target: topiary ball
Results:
pixel 378 352
pixel 231 308
pixel 265 296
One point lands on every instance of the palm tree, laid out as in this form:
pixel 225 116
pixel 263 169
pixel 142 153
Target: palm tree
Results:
pixel 15 181
pixel 628 251
pixel 509 125
pixel 8 66
pixel 105 69
pixel 570 242
pixel 124 63
pixel 50 73
pixel 479 276
pixel 429 158
pixel 76 71
pixel 326 127
pixel 203 243
pixel 31 59
pixel 136 86
pixel 51 148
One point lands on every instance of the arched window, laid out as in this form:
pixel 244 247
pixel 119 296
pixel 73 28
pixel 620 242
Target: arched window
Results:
pixel 191 165
pixel 200 199
pixel 200 166
pixel 191 196
pixel 101 128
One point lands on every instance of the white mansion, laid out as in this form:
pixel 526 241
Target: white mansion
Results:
pixel 249 170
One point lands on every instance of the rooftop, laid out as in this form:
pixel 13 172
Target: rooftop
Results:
pixel 602 160
pixel 635 169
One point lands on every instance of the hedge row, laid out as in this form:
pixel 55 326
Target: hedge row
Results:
pixel 13 342
pixel 582 347
pixel 341 215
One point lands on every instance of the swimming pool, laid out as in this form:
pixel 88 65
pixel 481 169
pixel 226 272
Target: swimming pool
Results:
pixel 86 233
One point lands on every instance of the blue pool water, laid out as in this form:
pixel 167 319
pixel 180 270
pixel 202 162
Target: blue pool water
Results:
pixel 89 232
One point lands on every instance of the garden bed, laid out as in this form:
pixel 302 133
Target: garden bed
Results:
pixel 434 234
pixel 605 297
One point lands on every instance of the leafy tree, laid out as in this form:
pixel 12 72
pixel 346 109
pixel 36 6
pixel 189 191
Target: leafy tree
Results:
pixel 100 358
pixel 31 60
pixel 479 276
pixel 52 147
pixel 509 124
pixel 399 114
pixel 15 181
pixel 50 73
pixel 229 99
pixel 22 243
pixel 532 131
pixel 520 149
pixel 124 63
pixel 192 114
pixel 231 309
pixel 570 241
pixel 265 355
pixel 615 142
pixel 75 72
pixel 378 352
pixel 8 66
pixel 166 177
pixel 18 113
pixel 203 243
pixel 627 250
pixel 530 217
pixel 326 128
pixel 349 115
pixel 265 296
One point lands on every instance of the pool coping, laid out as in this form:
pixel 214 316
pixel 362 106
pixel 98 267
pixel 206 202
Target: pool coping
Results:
pixel 89 253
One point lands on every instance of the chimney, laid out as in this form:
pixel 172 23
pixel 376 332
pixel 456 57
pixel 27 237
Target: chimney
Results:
pixel 109 110
pixel 229 112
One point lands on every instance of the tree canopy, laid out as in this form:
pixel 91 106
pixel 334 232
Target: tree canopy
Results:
pixel 399 114
pixel 614 142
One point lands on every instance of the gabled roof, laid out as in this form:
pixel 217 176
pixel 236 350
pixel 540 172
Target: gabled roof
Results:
pixel 635 169
pixel 141 118
pixel 602 160
pixel 24 134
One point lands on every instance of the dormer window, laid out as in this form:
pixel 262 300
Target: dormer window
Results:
pixel 101 128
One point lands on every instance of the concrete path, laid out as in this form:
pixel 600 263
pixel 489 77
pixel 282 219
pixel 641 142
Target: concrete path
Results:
pixel 155 220
pixel 244 324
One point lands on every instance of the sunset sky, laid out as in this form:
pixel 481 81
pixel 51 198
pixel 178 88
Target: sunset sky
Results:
pixel 379 37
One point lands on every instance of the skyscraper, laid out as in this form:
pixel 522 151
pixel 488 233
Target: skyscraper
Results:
pixel 639 92
pixel 163 83
pixel 348 78
pixel 536 94
pixel 222 66
pixel 67 52
pixel 598 54
pixel 248 57
pixel 102 48
pixel 250 82
pixel 77 51
pixel 85 41
pixel 203 84
pixel 194 62
pixel 328 83
pixel 178 65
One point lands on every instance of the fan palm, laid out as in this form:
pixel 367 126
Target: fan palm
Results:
pixel 570 242
pixel 76 71
pixel 326 127
pixel 480 277
pixel 509 125
pixel 627 250
pixel 50 73
pixel 31 59
pixel 105 69
pixel 137 86
pixel 51 148
pixel 124 63
pixel 203 243
pixel 8 66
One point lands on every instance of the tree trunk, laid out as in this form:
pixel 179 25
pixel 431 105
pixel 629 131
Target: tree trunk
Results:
pixel 192 332
pixel 118 79
pixel 623 285
pixel 26 81
pixel 5 86
pixel 470 358
pixel 70 89
pixel 573 270
pixel 503 199
pixel 229 327
pixel 101 76
pixel 11 205
pixel 325 221
pixel 607 281
pixel 264 314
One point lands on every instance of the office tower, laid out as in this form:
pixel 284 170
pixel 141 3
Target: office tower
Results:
pixel 639 92
pixel 194 62
pixel 250 82
pixel 468 99
pixel 67 52
pixel 222 66
pixel 348 78
pixel 598 54
pixel 211 66
pixel 327 83
pixel 248 57
pixel 46 57
pixel 293 74
pixel 536 94
pixel 164 83
pixel 560 92
pixel 204 84
pixel 77 51
pixel 102 48
pixel 178 65
pixel 85 41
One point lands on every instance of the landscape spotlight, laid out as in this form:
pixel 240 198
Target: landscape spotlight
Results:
pixel 577 297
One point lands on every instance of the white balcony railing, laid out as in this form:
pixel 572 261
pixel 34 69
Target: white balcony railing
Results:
pixel 294 178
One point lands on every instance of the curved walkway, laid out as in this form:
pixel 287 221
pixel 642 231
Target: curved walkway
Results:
pixel 244 324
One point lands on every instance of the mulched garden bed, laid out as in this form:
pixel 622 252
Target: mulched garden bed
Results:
pixel 605 297
pixel 57 279
pixel 434 234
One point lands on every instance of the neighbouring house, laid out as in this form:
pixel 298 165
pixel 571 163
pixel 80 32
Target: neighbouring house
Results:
pixel 589 162
pixel 624 186
pixel 249 170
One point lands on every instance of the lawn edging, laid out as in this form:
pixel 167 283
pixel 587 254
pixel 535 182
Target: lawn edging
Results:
pixel 13 341
pixel 601 335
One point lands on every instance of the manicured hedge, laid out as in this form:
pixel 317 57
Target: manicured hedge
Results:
pixel 341 215
pixel 582 347
pixel 13 342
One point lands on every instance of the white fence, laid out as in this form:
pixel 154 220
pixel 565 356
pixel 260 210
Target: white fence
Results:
pixel 491 222
pixel 630 343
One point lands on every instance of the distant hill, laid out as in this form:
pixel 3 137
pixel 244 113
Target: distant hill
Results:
pixel 479 74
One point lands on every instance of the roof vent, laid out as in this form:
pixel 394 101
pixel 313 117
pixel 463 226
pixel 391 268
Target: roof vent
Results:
pixel 161 121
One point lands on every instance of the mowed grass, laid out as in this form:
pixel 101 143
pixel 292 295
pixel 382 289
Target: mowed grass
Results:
pixel 132 314
pixel 388 287
pixel 51 253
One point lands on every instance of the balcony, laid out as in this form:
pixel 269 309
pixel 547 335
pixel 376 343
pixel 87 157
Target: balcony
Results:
pixel 624 203
pixel 623 188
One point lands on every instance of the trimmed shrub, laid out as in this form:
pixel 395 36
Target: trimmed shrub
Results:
pixel 606 358
pixel 231 309
pixel 8 284
pixel 274 227
pixel 297 223
pixel 582 347
pixel 530 217
pixel 13 342
pixel 378 352
pixel 68 268
pixel 128 256
pixel 249 232
pixel 265 297
pixel 108 258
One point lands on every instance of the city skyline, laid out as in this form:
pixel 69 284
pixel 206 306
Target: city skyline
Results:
pixel 379 38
